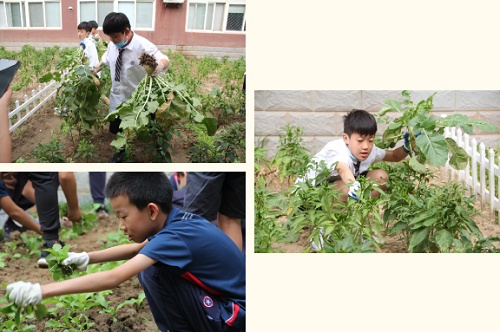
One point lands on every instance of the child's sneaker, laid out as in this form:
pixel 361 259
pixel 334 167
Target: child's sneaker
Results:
pixel 42 261
pixel 100 208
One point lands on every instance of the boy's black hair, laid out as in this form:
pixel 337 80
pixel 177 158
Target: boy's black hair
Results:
pixel 142 188
pixel 115 23
pixel 360 122
pixel 93 24
pixel 84 26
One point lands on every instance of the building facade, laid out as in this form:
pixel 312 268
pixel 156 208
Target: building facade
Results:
pixel 192 27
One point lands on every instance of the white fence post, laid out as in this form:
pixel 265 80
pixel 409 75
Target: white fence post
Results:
pixel 482 174
pixel 491 157
pixel 474 166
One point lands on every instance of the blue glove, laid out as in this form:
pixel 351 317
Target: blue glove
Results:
pixel 352 190
pixel 405 145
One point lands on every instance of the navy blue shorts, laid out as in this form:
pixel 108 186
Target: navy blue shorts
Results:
pixel 208 193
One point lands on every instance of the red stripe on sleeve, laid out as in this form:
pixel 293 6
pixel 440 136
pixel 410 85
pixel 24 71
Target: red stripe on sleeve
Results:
pixel 189 277
pixel 236 310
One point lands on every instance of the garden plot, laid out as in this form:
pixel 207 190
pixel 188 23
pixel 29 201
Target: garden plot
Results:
pixel 487 225
pixel 129 317
pixel 212 131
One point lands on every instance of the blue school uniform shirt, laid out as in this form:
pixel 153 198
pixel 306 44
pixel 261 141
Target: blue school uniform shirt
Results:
pixel 3 190
pixel 199 252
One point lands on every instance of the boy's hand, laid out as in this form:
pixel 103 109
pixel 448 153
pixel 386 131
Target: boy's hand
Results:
pixel 158 69
pixel 80 259
pixel 352 190
pixel 8 179
pixel 25 293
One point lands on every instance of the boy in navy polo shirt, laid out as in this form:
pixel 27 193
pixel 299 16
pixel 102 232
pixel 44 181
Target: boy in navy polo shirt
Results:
pixel 192 273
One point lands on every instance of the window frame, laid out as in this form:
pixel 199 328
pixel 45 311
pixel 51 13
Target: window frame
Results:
pixel 115 9
pixel 25 19
pixel 224 20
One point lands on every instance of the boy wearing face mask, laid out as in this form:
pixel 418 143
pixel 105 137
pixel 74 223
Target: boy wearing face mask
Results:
pixel 122 56
pixel 355 153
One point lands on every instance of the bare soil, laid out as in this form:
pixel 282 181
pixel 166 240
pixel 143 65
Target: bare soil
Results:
pixel 45 123
pixel 129 318
pixel 487 224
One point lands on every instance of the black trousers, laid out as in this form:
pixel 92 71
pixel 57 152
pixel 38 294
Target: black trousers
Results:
pixel 45 185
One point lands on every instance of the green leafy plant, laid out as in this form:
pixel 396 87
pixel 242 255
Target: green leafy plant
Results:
pixel 77 323
pixel 86 150
pixel 290 154
pixel 430 145
pixel 50 152
pixel 33 242
pixel 89 220
pixel 56 268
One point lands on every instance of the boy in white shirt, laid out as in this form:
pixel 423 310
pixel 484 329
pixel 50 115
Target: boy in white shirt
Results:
pixel 355 153
pixel 86 43
pixel 122 57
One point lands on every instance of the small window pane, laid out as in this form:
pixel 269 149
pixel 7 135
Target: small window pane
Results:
pixel 127 8
pixel 219 17
pixel 53 14
pixel 14 15
pixel 191 15
pixel 103 9
pixel 87 11
pixel 210 14
pixel 200 16
pixel 36 14
pixel 144 15
pixel 3 21
pixel 23 14
pixel 235 17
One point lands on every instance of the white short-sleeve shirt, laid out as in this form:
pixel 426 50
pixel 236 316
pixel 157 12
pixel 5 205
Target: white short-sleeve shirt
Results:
pixel 337 151
pixel 131 72
pixel 91 52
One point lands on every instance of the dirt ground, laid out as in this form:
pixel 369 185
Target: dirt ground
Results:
pixel 128 318
pixel 488 226
pixel 38 128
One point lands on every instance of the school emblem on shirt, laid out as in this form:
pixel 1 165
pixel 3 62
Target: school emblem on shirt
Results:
pixel 207 302
pixel 132 63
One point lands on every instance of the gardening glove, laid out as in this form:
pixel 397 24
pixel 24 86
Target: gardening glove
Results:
pixel 80 259
pixel 159 68
pixel 25 293
pixel 352 190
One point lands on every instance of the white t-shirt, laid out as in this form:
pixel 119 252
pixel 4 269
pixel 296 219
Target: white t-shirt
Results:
pixel 131 72
pixel 337 151
pixel 91 52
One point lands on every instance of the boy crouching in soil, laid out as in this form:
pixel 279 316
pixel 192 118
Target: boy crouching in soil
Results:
pixel 355 153
pixel 192 273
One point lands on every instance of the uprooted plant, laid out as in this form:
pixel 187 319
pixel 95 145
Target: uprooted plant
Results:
pixel 155 95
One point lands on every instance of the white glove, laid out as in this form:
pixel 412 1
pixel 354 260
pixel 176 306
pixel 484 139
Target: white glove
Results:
pixel 25 293
pixel 158 69
pixel 80 259
pixel 352 190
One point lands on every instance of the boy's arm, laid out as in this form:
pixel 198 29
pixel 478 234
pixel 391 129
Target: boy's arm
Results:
pixel 118 253
pixel 345 172
pixel 395 155
pixel 18 214
pixel 5 141
pixel 26 293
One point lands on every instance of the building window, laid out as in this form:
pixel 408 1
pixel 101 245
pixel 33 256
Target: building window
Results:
pixel 140 13
pixel 216 17
pixel 32 14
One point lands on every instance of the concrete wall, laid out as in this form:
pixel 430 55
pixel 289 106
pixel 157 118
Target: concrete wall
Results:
pixel 320 113
pixel 169 32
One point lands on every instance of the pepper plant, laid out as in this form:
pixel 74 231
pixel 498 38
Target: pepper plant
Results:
pixel 426 132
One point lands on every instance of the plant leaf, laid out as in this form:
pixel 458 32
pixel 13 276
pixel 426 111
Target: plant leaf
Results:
pixel 434 146
pixel 444 239
pixel 458 157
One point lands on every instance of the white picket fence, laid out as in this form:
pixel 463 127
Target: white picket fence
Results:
pixel 475 185
pixel 30 106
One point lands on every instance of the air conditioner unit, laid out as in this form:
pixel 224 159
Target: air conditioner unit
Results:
pixel 173 1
